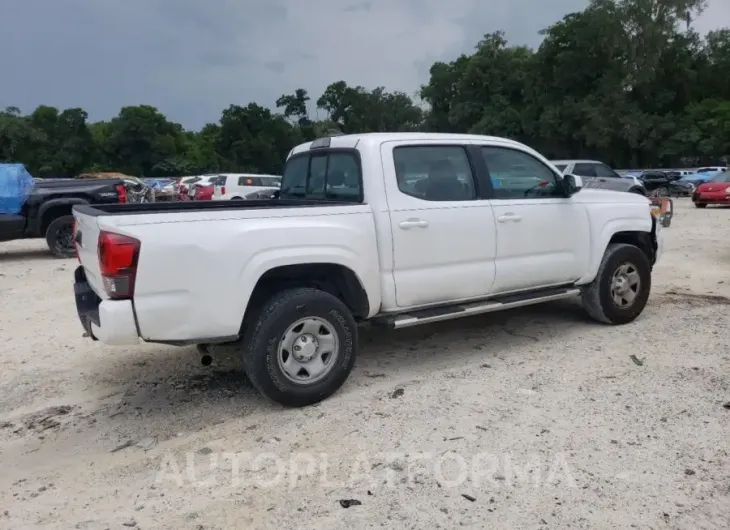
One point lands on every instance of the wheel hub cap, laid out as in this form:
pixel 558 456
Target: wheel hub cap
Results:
pixel 625 285
pixel 305 347
pixel 308 350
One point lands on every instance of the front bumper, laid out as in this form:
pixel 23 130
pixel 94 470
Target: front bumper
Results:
pixel 109 321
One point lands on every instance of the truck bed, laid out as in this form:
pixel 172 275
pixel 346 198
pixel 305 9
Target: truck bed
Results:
pixel 198 206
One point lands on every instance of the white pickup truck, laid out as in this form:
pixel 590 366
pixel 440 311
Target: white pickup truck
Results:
pixel 400 229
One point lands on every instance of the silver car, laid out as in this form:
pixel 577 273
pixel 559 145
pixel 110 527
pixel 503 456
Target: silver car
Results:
pixel 596 174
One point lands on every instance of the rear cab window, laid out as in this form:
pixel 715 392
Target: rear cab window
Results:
pixel 325 174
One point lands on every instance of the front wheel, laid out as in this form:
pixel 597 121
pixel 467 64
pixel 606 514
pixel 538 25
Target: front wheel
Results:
pixel 59 237
pixel 620 290
pixel 300 347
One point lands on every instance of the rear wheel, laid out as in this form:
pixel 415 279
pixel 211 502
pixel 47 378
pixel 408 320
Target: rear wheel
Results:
pixel 59 237
pixel 621 288
pixel 700 205
pixel 300 347
pixel 236 198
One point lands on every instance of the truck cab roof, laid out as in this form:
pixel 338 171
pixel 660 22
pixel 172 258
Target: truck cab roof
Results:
pixel 350 141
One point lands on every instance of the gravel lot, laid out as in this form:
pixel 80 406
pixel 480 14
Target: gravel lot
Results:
pixel 535 418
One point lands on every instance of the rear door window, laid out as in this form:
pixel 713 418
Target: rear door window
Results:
pixel 434 172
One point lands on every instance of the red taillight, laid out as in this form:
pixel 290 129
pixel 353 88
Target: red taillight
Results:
pixel 118 257
pixel 121 193
pixel 223 190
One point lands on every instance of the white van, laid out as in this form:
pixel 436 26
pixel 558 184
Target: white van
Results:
pixel 239 186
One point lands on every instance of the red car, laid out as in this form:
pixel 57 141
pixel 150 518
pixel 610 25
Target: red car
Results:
pixel 202 193
pixel 714 191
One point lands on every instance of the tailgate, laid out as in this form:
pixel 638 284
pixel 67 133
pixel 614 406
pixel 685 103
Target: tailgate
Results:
pixel 87 237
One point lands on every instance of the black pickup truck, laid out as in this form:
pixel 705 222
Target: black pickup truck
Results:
pixel 47 211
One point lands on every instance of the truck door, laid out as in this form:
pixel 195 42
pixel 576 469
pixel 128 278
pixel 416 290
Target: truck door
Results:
pixel 443 230
pixel 542 236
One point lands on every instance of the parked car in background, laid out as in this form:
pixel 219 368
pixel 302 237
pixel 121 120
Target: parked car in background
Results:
pixel 700 177
pixel 202 192
pixel 662 184
pixel 712 169
pixel 239 186
pixel 185 187
pixel 46 210
pixel 716 191
pixel 596 174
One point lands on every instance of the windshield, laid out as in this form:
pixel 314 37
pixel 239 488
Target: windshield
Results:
pixel 722 177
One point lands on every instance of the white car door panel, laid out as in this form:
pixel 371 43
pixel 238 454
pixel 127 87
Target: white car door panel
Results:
pixel 443 250
pixel 537 243
pixel 542 237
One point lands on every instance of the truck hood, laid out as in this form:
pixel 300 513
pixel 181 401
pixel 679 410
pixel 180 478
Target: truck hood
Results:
pixel 594 195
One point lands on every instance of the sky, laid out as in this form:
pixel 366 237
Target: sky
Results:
pixel 193 58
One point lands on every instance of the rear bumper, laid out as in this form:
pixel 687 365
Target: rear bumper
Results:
pixel 109 321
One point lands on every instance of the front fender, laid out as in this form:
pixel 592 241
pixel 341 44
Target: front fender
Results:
pixel 604 232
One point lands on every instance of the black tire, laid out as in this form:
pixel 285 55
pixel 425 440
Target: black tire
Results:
pixel 638 190
pixel 666 221
pixel 597 298
pixel 700 205
pixel 236 198
pixel 265 330
pixel 59 237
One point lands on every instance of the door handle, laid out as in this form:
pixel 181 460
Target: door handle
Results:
pixel 413 223
pixel 509 217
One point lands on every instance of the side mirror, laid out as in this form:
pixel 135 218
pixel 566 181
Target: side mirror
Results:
pixel 573 184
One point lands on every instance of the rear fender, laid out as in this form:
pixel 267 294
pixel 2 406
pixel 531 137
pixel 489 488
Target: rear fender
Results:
pixel 49 207
pixel 262 262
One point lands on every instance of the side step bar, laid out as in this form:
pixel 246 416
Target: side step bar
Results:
pixel 498 303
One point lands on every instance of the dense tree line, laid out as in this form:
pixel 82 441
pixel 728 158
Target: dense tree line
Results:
pixel 625 81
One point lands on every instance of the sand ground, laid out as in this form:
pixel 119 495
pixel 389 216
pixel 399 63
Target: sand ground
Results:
pixel 534 418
